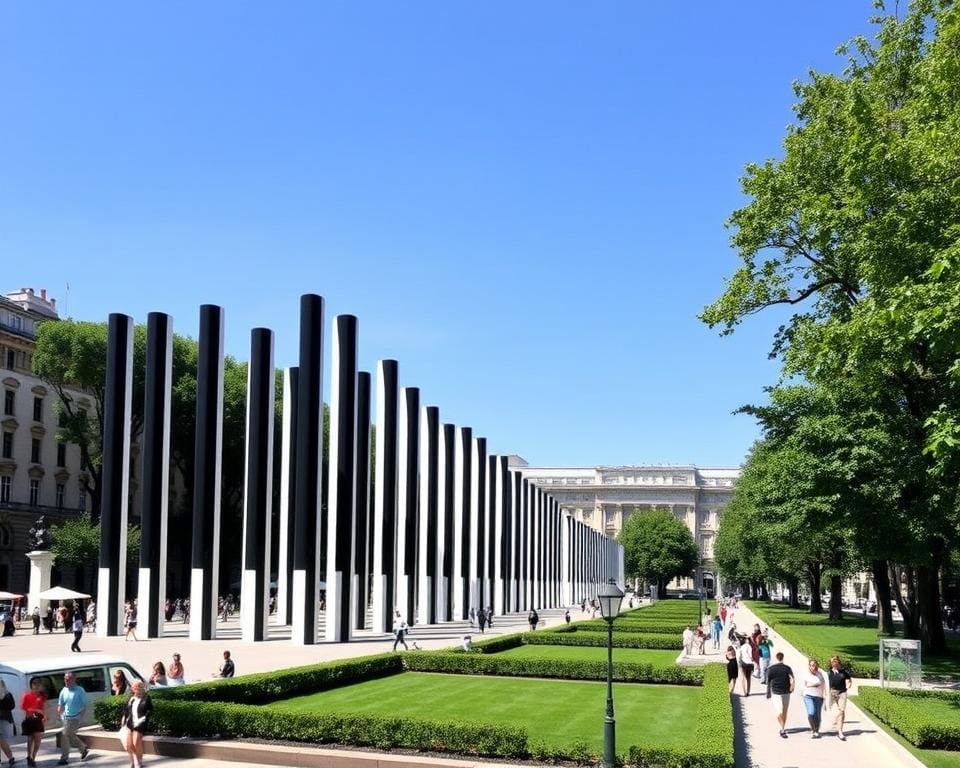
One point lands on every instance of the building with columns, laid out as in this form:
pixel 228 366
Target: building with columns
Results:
pixel 603 498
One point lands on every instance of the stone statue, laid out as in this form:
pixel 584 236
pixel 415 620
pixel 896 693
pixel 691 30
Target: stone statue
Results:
pixel 39 537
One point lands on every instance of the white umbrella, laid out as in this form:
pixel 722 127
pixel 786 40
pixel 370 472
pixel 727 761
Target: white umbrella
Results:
pixel 62 593
pixel 9 596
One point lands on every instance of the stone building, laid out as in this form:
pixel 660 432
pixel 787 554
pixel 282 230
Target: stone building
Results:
pixel 38 474
pixel 603 497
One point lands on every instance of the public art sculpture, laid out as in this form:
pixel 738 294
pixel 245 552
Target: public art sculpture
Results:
pixel 38 538
pixel 450 528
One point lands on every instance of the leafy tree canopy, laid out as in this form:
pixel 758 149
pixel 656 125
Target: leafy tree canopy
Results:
pixel 657 547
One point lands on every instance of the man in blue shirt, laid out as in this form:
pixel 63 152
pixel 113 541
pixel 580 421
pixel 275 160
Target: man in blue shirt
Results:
pixel 70 707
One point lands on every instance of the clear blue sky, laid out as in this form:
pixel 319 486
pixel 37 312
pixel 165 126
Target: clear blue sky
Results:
pixel 522 202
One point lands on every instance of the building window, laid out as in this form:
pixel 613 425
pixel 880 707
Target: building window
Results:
pixel 6 538
pixel 34 492
pixel 60 489
pixel 38 409
pixel 9 399
pixel 82 500
pixel 11 359
pixel 61 454
pixel 35 451
pixel 8 445
pixel 4 489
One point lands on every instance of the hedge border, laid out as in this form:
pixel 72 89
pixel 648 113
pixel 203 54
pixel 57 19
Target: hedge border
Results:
pixel 599 639
pixel 892 706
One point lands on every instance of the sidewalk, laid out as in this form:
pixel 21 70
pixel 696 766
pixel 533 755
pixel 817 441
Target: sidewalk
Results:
pixel 758 744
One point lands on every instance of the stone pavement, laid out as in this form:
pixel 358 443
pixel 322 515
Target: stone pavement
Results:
pixel 757 740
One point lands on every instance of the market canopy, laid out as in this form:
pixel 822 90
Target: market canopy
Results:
pixel 10 596
pixel 62 593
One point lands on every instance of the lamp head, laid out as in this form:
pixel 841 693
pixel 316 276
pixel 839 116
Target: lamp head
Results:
pixel 610 596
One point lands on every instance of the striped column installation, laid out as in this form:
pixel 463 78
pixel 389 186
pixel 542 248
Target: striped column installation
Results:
pixel 408 510
pixel 287 495
pixel 258 494
pixel 361 565
pixel 429 515
pixel 445 532
pixel 208 451
pixel 341 504
pixel 307 528
pixel 158 386
pixel 478 514
pixel 385 542
pixel 117 404
pixel 462 522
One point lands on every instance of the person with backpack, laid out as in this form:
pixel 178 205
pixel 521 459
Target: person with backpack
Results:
pixel 399 631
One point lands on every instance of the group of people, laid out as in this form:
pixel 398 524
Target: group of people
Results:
pixel 751 657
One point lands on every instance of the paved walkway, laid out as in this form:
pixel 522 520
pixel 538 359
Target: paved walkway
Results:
pixel 758 744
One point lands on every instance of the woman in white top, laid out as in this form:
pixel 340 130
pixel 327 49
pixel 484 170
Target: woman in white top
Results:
pixel 814 689
pixel 746 665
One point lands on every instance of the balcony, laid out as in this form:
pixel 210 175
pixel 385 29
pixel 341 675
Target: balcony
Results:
pixel 21 332
pixel 16 506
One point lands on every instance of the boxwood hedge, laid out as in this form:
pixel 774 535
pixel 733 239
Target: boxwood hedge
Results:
pixel 898 708
pixel 620 639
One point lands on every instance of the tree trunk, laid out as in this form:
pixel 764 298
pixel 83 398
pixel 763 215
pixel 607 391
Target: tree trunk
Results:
pixel 813 578
pixel 928 588
pixel 764 592
pixel 836 591
pixel 881 585
pixel 793 584
pixel 909 618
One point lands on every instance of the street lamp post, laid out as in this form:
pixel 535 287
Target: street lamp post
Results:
pixel 610 597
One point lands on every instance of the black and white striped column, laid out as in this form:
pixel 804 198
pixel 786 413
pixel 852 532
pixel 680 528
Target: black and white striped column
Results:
pixel 204 578
pixel 493 541
pixel 307 479
pixel 151 586
pixel 258 494
pixel 408 509
pixel 429 515
pixel 364 529
pixel 463 521
pixel 478 498
pixel 516 581
pixel 341 509
pixel 118 394
pixel 385 541
pixel 288 465
pixel 445 538
pixel 501 570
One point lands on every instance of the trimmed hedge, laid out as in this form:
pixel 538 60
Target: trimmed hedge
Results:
pixel 898 709
pixel 620 639
pixel 495 644
pixel 714 732
pixel 633 626
pixel 201 718
pixel 567 669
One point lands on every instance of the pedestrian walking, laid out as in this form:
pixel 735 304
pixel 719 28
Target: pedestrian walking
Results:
pixel 399 632
pixel 130 621
pixel 814 689
pixel 687 641
pixel 136 718
pixel 77 631
pixel 533 618
pixel 733 668
pixel 716 627
pixel 482 620
pixel 7 705
pixel 35 618
pixel 34 706
pixel 765 649
pixel 566 616
pixel 71 706
pixel 490 617
pixel 92 615
pixel 780 684
pixel 473 617
pixel 840 682
pixel 746 665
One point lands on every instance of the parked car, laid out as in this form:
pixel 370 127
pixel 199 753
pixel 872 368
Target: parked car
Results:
pixel 93 672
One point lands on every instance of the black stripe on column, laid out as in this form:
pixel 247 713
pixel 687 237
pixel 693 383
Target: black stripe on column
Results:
pixel 363 527
pixel 410 519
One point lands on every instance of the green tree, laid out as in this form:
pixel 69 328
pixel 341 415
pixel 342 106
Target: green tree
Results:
pixel 657 548
pixel 857 227
pixel 76 543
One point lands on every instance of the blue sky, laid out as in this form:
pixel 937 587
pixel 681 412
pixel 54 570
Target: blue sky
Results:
pixel 522 202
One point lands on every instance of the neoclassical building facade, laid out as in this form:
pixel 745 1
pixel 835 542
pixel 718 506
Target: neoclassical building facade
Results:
pixel 603 498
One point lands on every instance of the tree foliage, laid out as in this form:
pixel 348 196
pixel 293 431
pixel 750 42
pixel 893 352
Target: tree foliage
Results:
pixel 657 547
pixel 857 227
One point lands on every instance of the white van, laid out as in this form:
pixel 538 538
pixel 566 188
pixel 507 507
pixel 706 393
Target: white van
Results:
pixel 93 671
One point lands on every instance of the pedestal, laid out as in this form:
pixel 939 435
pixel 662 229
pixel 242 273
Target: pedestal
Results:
pixel 41 564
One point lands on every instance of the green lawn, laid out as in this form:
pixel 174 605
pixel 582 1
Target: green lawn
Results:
pixel 585 653
pixel 558 713
pixel 854 639
pixel 932 758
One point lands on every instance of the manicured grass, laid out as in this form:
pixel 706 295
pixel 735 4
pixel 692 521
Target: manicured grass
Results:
pixel 553 712
pixel 577 653
pixel 854 639
pixel 932 758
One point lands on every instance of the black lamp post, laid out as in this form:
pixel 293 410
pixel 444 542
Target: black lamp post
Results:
pixel 610 597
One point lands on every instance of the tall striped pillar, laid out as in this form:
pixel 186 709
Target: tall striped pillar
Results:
pixel 158 386
pixel 462 521
pixel 288 464
pixel 386 549
pixel 117 407
pixel 478 522
pixel 341 509
pixel 258 494
pixel 429 515
pixel 364 527
pixel 205 575
pixel 408 510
